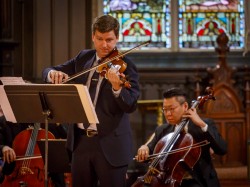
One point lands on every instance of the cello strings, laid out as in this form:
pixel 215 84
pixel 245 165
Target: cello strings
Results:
pixel 174 138
pixel 171 142
pixel 31 145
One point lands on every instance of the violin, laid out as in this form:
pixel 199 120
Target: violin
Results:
pixel 117 64
pixel 113 60
pixel 174 154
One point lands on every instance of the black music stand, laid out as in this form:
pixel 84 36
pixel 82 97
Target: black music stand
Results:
pixel 60 103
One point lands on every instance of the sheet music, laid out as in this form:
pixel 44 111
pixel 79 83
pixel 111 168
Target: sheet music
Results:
pixel 4 102
pixel 12 80
pixel 60 98
pixel 88 108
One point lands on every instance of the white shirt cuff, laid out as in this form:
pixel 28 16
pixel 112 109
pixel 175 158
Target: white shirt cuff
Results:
pixel 204 129
pixel 117 92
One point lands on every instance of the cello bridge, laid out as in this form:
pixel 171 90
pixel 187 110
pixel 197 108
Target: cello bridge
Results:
pixel 152 171
pixel 25 171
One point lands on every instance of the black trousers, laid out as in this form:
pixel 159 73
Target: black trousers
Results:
pixel 189 183
pixel 90 168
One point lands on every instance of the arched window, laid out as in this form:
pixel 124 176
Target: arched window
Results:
pixel 200 22
pixel 197 22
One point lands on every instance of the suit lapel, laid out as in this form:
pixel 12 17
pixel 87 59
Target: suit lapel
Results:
pixel 104 82
pixel 89 63
pixel 170 128
pixel 85 66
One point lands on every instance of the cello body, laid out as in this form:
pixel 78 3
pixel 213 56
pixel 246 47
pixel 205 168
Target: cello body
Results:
pixel 28 172
pixel 169 170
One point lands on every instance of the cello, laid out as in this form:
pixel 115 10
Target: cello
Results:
pixel 174 154
pixel 28 171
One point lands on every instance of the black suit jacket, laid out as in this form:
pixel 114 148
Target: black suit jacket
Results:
pixel 203 171
pixel 114 130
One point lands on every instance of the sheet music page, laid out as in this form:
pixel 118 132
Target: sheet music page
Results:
pixel 87 104
pixel 4 102
pixel 12 80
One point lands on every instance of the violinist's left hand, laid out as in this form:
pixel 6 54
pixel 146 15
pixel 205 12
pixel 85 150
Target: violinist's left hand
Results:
pixel 113 76
pixel 9 154
pixel 192 115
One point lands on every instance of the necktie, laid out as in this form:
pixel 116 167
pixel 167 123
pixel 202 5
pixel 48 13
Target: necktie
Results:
pixel 93 85
pixel 92 91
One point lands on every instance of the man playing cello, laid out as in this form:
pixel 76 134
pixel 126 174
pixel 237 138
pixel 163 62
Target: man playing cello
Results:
pixel 175 108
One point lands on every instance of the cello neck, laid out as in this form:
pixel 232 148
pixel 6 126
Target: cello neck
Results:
pixel 32 141
pixel 177 131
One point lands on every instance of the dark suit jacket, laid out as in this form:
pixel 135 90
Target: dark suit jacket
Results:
pixel 1 149
pixel 203 170
pixel 114 130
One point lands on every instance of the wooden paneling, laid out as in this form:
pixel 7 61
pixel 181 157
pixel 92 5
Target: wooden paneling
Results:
pixel 59 31
pixel 42 37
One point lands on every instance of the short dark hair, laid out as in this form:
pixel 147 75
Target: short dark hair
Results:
pixel 176 92
pixel 106 23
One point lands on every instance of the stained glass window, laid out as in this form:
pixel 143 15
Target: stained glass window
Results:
pixel 201 21
pixel 140 21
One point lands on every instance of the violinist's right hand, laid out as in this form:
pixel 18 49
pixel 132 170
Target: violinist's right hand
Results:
pixel 142 153
pixel 9 154
pixel 57 77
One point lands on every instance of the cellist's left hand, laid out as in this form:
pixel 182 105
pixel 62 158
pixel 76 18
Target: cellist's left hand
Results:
pixel 193 115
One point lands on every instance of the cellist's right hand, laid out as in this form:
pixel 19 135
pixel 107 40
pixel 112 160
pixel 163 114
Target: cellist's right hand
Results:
pixel 142 153
pixel 57 77
pixel 9 154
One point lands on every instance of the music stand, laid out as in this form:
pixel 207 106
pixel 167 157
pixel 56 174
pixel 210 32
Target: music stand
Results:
pixel 54 103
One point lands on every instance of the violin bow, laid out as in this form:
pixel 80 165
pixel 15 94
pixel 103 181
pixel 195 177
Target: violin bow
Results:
pixel 105 62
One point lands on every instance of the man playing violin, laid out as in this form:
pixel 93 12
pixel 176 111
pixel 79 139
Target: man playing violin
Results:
pixel 175 109
pixel 101 152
